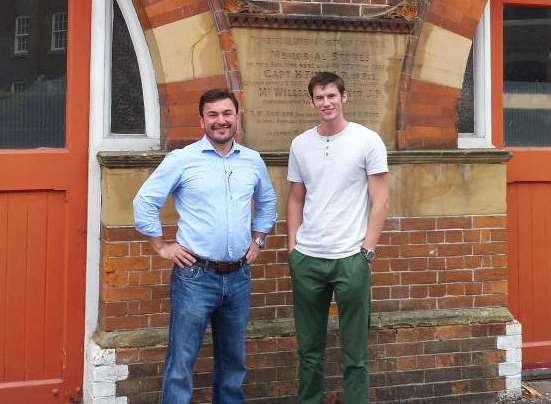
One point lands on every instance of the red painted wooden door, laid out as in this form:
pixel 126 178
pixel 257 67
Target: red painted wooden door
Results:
pixel 43 188
pixel 521 63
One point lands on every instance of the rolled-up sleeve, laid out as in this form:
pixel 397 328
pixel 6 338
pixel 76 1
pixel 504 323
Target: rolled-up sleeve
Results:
pixel 265 201
pixel 153 194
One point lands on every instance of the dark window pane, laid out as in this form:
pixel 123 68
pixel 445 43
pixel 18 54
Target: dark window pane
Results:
pixel 127 108
pixel 465 108
pixel 527 76
pixel 32 78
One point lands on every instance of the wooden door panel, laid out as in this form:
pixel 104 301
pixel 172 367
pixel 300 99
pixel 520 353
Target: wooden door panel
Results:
pixel 31 283
pixel 529 205
pixel 43 201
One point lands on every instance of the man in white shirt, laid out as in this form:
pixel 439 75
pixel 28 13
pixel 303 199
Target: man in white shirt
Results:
pixel 337 206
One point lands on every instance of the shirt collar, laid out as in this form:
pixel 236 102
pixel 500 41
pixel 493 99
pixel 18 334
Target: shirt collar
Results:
pixel 206 145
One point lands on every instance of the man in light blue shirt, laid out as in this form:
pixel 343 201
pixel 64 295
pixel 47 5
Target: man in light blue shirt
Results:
pixel 215 183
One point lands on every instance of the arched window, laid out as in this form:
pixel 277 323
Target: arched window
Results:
pixel 125 109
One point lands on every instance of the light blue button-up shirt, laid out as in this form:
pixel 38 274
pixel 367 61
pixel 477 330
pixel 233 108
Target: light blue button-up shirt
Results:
pixel 213 196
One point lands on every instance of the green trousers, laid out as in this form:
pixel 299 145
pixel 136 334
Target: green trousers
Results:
pixel 314 280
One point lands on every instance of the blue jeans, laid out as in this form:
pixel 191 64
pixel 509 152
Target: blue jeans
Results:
pixel 201 296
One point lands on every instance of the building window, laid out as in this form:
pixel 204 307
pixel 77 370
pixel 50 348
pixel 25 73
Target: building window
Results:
pixel 475 106
pixel 22 34
pixel 59 31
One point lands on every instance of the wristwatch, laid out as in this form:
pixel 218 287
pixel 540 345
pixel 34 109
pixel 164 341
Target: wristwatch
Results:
pixel 369 254
pixel 260 242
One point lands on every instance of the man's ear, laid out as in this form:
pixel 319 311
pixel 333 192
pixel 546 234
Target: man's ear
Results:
pixel 202 122
pixel 344 97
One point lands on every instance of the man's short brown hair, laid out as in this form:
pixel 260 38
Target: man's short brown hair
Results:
pixel 217 94
pixel 324 78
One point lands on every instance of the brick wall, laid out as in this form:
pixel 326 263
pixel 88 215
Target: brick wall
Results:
pixel 423 263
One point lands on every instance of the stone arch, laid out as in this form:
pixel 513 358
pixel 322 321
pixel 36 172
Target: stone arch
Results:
pixel 432 75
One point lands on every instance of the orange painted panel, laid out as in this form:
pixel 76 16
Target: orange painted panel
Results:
pixel 530 267
pixel 43 212
pixel 529 215
pixel 29 219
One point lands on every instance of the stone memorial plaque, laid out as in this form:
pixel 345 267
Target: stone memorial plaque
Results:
pixel 277 64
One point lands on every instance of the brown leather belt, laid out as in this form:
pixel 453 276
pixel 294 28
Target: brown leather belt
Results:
pixel 220 266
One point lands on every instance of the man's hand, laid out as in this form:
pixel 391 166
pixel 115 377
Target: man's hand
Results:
pixel 173 252
pixel 252 254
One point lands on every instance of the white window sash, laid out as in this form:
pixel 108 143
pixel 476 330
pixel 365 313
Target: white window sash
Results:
pixel 102 32
pixel 482 77
pixel 58 19
pixel 21 34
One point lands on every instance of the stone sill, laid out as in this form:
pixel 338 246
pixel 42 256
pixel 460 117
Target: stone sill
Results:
pixel 395 157
pixel 269 328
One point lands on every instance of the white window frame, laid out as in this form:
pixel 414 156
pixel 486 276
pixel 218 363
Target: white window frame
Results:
pixel 19 35
pixel 102 34
pixel 482 82
pixel 55 31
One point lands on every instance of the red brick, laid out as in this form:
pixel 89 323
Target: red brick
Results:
pixel 490 274
pixel 418 223
pixel 489 221
pixel 380 306
pixel 453 331
pixel 263 286
pixel 398 238
pixel 263 313
pixel 399 292
pixel 471 235
pixel 499 261
pixel 490 300
pixel 151 278
pixel 420 250
pixel 135 248
pixel 446 250
pixel 454 236
pixel 436 236
pixel 124 323
pixel 490 248
pixel 146 307
pixel 455 276
pixel 455 262
pixel 407 363
pixel 418 304
pixel 388 251
pixel 125 294
pixel 399 264
pixel 419 291
pixel 275 242
pixel 417 237
pixel 127 355
pixel 115 279
pixel 437 290
pixel 454 223
pixel 115 249
pixel 437 263
pixel 416 278
pixel 266 257
pixel 277 271
pixel 128 233
pixel 379 293
pixel 495 287
pixel 473 289
pixel 472 261
pixel 383 279
pixel 153 354
pixel 112 264
pixel 455 289
pixel 418 264
pixel 455 302
pixel 159 320
pixel 381 265
pixel 158 262
pixel 118 309
pixel 284 284
pixel 391 224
